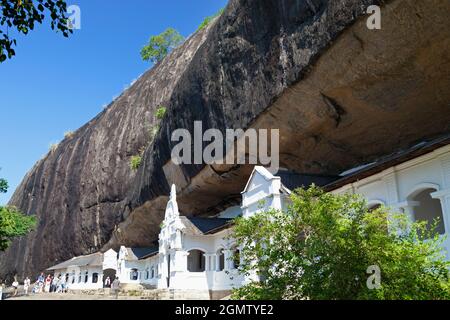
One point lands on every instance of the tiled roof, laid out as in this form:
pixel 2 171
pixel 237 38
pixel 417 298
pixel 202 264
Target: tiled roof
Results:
pixel 95 259
pixel 293 180
pixel 383 163
pixel 210 225
pixel 140 253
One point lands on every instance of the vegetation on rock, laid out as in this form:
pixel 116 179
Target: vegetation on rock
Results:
pixel 154 131
pixel 161 112
pixel 135 162
pixel 69 134
pixel 160 45
pixel 208 20
pixel 53 147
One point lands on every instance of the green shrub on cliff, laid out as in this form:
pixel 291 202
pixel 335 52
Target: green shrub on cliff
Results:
pixel 135 162
pixel 160 112
pixel 160 45
pixel 69 134
pixel 208 20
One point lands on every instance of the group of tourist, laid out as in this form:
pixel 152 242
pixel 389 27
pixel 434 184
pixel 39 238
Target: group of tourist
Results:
pixel 45 284
pixel 53 284
pixel 50 284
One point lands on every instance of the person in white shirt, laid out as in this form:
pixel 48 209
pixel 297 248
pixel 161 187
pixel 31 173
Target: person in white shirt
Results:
pixel 26 285
pixel 15 286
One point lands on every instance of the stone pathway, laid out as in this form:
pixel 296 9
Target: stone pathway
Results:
pixel 7 295
pixel 70 296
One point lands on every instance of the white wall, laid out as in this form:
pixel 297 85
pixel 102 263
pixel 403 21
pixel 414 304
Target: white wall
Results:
pixel 262 193
pixel 394 186
pixel 75 283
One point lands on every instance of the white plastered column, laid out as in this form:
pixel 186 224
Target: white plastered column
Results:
pixel 228 265
pixel 181 261
pixel 208 261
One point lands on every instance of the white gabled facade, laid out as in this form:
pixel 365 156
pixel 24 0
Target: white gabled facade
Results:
pixel 263 191
pixel 191 260
pixel 419 187
pixel 195 254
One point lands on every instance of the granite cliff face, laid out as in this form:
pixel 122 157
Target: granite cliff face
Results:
pixel 340 94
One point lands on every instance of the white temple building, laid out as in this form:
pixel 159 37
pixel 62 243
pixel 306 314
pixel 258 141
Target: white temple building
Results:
pixel 195 254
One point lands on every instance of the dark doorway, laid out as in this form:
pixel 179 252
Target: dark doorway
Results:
pixel 196 261
pixel 168 271
pixel 111 273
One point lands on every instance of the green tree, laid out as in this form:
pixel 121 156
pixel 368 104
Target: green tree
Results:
pixel 12 222
pixel 3 185
pixel 160 45
pixel 22 15
pixel 324 245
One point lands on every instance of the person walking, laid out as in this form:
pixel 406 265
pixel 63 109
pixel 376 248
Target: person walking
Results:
pixel 26 285
pixel 115 287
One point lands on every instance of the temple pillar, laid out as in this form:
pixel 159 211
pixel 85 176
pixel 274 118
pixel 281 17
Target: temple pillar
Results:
pixel 228 260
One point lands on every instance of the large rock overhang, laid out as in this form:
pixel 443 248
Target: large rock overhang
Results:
pixel 366 94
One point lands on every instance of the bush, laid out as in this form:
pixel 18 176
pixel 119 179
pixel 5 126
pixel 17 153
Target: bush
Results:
pixel 160 45
pixel 327 246
pixel 135 162
pixel 13 224
pixel 160 112
pixel 208 20
pixel 69 134
pixel 154 132
pixel 53 147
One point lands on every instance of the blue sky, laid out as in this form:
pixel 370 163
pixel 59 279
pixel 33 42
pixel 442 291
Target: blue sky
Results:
pixel 54 84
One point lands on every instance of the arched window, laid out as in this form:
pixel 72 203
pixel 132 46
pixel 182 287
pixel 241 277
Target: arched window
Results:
pixel 95 277
pixel 221 260
pixel 153 272
pixel 428 209
pixel 67 278
pixel 147 274
pixel 73 277
pixel 79 277
pixel 196 261
pixel 86 277
pixel 134 274
pixel 374 207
